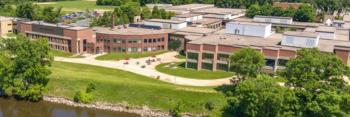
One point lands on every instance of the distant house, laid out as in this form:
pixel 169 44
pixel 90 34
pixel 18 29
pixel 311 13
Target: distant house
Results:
pixel 286 5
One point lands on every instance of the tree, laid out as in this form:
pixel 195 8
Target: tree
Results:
pixel 311 65
pixel 25 10
pixel 146 13
pixel 24 67
pixel 262 97
pixel 253 10
pixel 247 63
pixel 306 13
pixel 156 12
pixel 50 14
pixel 317 80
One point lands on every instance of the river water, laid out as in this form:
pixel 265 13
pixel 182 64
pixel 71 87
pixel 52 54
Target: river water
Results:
pixel 13 108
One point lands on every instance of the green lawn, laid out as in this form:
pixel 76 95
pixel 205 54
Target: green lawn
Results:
pixel 120 56
pixel 116 86
pixel 179 56
pixel 178 69
pixel 78 5
pixel 58 53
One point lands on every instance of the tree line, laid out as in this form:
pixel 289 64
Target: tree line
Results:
pixel 125 14
pixel 328 6
pixel 32 11
pixel 306 13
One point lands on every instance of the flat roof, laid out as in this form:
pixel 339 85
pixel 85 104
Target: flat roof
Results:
pixel 190 6
pixel 56 25
pixel 206 21
pixel 346 18
pixel 326 29
pixel 166 21
pixel 120 30
pixel 2 18
pixel 187 15
pixel 220 11
pixel 301 34
pixel 276 17
pixel 250 23
pixel 197 30
pixel 272 41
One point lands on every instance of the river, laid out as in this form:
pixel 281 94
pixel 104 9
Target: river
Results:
pixel 13 108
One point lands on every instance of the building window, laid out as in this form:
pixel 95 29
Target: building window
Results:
pixel 145 40
pixel 154 40
pixel 163 39
pixel 310 42
pixel 191 55
pixel 149 40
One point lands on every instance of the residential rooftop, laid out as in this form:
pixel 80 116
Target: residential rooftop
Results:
pixel 120 30
pixel 166 21
pixel 286 5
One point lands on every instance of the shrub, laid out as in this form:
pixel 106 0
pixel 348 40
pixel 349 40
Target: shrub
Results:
pixel 177 110
pixel 83 97
pixel 90 88
pixel 209 105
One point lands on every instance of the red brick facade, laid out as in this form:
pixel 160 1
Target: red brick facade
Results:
pixel 274 56
pixel 131 43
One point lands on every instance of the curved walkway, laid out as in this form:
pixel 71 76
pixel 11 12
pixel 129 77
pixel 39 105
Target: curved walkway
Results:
pixel 149 70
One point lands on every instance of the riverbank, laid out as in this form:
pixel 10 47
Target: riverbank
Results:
pixel 119 87
pixel 142 111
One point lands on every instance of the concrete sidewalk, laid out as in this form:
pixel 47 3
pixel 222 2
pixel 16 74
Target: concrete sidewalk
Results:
pixel 134 65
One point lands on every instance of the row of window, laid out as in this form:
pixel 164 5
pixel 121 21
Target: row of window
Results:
pixel 225 57
pixel 133 49
pixel 131 41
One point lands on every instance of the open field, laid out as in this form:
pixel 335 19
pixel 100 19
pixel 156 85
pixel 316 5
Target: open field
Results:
pixel 121 56
pixel 178 69
pixel 116 86
pixel 78 5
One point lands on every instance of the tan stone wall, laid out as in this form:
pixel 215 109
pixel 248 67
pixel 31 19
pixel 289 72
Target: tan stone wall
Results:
pixel 5 27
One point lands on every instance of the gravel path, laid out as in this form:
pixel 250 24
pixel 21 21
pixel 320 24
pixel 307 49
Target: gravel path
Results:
pixel 149 70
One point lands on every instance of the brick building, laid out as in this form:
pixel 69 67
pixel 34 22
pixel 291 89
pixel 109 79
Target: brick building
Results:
pixel 212 52
pixel 6 25
pixel 131 39
pixel 71 39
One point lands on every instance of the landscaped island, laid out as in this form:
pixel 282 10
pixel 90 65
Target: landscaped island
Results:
pixel 178 69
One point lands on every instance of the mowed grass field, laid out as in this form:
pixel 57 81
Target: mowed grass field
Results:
pixel 116 86
pixel 178 69
pixel 77 5
pixel 121 56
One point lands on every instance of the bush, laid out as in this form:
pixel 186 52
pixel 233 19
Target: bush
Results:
pixel 82 97
pixel 209 105
pixel 177 110
pixel 90 88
